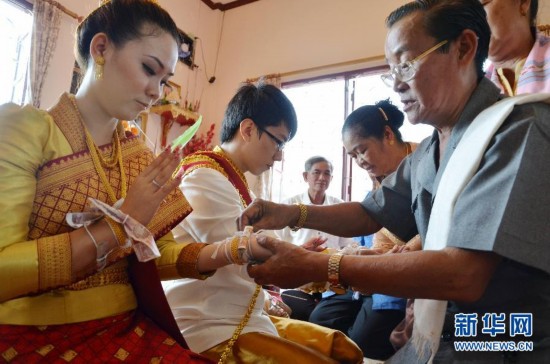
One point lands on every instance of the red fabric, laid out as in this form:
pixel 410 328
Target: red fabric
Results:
pixel 151 298
pixel 129 337
pixel 233 176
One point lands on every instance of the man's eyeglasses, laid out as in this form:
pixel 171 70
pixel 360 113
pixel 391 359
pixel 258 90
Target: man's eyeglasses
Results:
pixel 280 143
pixel 407 70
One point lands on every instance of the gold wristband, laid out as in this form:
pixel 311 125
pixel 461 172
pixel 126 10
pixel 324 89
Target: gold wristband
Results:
pixel 302 218
pixel 235 257
pixel 334 273
pixel 118 231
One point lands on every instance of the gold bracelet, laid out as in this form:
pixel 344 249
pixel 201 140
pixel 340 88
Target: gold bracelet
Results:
pixel 235 257
pixel 334 273
pixel 117 230
pixel 302 218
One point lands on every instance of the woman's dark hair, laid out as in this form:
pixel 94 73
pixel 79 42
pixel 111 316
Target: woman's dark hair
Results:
pixel 122 21
pixel 533 11
pixel 447 19
pixel 370 121
pixel 265 104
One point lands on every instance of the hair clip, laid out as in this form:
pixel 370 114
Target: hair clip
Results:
pixel 383 113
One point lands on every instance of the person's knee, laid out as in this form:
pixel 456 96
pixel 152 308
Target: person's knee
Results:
pixel 300 303
pixel 335 314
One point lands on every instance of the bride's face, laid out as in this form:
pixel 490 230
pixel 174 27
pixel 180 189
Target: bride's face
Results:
pixel 135 73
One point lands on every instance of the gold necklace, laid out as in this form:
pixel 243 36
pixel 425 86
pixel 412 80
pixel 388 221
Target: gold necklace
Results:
pixel 252 303
pixel 108 162
pixel 241 325
pixel 100 162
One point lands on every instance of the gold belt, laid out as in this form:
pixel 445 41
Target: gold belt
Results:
pixel 114 274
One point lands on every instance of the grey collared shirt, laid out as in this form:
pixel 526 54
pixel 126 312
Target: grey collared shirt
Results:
pixel 505 207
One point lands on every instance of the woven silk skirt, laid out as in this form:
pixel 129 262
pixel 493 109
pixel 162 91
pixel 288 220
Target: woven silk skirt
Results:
pixel 129 337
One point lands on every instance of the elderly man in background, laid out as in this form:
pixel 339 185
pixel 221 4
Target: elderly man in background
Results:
pixel 318 175
pixel 482 280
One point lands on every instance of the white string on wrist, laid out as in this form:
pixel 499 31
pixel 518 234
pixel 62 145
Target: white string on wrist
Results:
pixel 227 251
pixel 92 238
pixel 215 253
pixel 142 240
pixel 100 261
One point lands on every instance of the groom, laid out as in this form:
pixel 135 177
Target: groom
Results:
pixel 258 122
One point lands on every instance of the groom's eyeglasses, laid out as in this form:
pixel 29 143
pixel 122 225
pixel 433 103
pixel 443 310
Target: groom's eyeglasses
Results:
pixel 280 143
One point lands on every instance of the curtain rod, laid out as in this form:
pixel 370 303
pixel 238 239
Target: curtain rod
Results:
pixel 65 10
pixel 319 68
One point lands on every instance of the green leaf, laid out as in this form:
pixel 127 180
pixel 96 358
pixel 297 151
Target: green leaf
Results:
pixel 184 138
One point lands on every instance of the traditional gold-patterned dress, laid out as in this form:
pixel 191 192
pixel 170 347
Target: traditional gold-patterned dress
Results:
pixel 45 172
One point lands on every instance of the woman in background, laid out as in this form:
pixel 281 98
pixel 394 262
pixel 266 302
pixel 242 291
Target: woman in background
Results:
pixel 519 54
pixel 371 136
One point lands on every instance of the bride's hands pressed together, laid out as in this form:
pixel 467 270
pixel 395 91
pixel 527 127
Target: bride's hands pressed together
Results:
pixel 152 186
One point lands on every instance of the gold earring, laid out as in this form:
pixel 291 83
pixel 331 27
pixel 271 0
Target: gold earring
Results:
pixel 391 142
pixel 98 69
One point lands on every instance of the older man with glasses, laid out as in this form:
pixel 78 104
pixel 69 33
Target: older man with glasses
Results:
pixel 477 192
pixel 318 175
pixel 405 71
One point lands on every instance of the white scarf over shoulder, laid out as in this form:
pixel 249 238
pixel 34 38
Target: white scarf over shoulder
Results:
pixel 430 314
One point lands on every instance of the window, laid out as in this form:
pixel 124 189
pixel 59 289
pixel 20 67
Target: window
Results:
pixel 16 30
pixel 321 106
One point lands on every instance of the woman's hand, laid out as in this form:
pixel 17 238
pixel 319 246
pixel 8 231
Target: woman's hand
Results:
pixel 314 244
pixel 152 186
pixel 399 249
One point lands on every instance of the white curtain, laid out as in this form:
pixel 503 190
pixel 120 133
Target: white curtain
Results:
pixel 45 30
pixel 262 185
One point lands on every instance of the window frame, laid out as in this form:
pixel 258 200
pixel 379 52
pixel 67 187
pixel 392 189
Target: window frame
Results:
pixel 27 8
pixel 349 106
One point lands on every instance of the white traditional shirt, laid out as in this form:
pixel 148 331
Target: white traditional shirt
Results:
pixel 208 311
